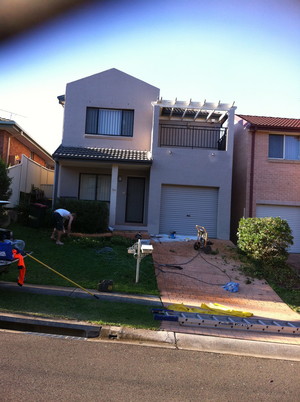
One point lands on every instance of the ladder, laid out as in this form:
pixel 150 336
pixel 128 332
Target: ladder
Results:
pixel 227 322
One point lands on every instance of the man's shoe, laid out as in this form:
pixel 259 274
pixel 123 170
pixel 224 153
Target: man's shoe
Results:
pixel 52 238
pixel 59 243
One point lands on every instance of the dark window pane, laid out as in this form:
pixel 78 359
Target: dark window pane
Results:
pixel 127 123
pixel 91 123
pixel 275 146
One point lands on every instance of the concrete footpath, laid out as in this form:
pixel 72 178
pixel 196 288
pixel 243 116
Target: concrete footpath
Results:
pixel 200 280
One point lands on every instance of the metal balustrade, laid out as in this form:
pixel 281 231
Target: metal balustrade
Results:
pixel 192 137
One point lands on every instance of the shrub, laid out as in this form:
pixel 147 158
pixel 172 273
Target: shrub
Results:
pixel 92 216
pixel 265 239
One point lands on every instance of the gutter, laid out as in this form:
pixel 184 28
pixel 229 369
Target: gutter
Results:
pixel 19 131
pixel 55 188
pixel 253 138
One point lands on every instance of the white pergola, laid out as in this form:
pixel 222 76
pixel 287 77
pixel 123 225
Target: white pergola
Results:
pixel 190 110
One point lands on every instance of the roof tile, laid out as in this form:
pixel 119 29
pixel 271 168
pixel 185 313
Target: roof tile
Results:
pixel 271 122
pixel 104 154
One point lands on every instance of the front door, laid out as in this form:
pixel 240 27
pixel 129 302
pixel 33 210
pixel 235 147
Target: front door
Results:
pixel 135 199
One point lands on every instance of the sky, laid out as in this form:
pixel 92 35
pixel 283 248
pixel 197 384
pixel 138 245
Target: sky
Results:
pixel 241 51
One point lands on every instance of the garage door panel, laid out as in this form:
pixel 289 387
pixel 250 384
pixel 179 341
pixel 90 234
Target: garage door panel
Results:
pixel 184 207
pixel 290 214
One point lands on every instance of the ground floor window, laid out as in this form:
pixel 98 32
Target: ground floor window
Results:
pixel 94 187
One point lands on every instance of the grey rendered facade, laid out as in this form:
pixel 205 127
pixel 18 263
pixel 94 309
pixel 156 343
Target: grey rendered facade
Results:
pixel 162 166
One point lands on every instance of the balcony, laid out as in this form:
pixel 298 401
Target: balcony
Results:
pixel 192 137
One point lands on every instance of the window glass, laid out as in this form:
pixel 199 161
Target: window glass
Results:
pixel 87 187
pixel 109 122
pixel 127 128
pixel 91 121
pixel 275 146
pixel 292 147
pixel 103 188
pixel 95 187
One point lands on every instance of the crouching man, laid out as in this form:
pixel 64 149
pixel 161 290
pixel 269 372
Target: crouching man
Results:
pixel 60 216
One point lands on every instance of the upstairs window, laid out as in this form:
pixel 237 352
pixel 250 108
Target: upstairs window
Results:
pixel 109 122
pixel 284 147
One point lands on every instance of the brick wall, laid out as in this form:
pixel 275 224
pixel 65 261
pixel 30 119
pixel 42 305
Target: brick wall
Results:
pixel 16 150
pixel 274 180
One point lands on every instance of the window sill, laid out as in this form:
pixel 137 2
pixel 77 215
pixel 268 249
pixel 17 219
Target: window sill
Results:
pixel 283 161
pixel 108 137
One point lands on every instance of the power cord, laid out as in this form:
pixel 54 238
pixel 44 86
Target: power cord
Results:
pixel 189 276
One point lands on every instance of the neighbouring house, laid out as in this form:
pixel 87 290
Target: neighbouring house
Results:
pixel 266 171
pixel 163 166
pixel 29 165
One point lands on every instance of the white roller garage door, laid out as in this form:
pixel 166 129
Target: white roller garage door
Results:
pixel 184 207
pixel 290 214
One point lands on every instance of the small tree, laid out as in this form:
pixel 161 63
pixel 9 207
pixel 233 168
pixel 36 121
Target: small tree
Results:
pixel 5 182
pixel 265 239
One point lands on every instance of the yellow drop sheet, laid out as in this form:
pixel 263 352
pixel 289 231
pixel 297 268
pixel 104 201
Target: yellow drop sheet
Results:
pixel 211 308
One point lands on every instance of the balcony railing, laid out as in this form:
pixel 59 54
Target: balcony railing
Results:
pixel 192 137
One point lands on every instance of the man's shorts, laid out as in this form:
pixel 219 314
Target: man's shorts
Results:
pixel 58 221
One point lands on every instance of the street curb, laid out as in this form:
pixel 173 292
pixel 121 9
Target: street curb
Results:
pixel 203 343
pixel 46 326
pixel 165 339
pixel 270 350
pixel 140 336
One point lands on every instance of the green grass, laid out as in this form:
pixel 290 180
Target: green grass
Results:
pixel 86 261
pixel 90 310
pixel 282 278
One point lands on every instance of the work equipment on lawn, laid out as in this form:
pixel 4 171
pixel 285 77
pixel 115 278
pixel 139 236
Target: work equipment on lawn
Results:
pixel 202 240
pixel 7 245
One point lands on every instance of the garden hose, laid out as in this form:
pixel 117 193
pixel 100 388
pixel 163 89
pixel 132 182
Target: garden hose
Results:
pixel 58 273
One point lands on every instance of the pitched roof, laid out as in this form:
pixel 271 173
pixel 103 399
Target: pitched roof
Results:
pixel 16 131
pixel 271 122
pixel 102 154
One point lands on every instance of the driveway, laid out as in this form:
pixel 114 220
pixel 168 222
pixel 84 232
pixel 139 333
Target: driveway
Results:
pixel 201 280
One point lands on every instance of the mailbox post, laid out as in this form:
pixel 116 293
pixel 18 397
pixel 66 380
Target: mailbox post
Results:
pixel 139 250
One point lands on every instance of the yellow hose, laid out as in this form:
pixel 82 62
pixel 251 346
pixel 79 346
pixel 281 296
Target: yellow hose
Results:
pixel 58 273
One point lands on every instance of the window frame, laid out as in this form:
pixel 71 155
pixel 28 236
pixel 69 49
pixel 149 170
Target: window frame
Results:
pixel 96 189
pixel 284 147
pixel 92 122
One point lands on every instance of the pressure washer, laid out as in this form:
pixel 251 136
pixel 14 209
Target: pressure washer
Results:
pixel 202 240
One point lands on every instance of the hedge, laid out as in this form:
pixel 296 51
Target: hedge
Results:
pixel 265 239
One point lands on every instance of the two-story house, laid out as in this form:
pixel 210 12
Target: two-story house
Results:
pixel 162 166
pixel 266 171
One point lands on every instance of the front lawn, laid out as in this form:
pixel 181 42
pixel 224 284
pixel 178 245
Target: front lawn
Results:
pixel 87 261
pixel 87 309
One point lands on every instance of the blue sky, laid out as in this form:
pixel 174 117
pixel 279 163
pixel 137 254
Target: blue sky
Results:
pixel 242 51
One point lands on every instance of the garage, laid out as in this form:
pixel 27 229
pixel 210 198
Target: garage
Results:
pixel 184 207
pixel 290 214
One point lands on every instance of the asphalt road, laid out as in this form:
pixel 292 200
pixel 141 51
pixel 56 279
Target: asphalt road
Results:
pixel 46 368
